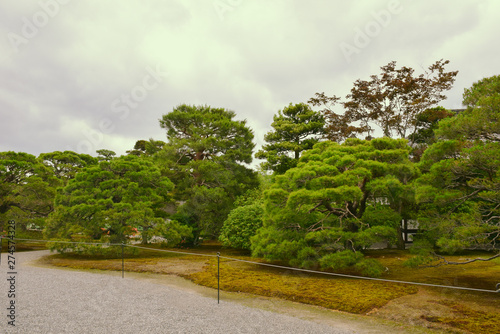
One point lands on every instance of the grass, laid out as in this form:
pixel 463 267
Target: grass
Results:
pixel 454 310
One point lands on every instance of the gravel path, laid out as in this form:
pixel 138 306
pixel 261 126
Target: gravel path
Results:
pixel 62 301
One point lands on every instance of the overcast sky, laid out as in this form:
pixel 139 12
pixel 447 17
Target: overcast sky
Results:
pixel 87 75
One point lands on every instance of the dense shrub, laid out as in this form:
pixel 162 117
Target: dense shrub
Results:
pixel 241 224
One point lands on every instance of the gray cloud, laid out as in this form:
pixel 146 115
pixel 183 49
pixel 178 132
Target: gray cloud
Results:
pixel 77 75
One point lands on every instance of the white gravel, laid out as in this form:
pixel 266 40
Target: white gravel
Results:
pixel 62 301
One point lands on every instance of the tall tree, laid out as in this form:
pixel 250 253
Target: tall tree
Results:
pixel 204 157
pixel 482 92
pixel 391 100
pixel 206 133
pixel 296 128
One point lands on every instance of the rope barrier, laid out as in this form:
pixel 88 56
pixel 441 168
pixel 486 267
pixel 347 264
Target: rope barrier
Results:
pixel 66 242
pixel 358 277
pixel 274 266
pixel 171 251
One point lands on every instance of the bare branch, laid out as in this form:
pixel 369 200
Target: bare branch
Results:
pixel 443 261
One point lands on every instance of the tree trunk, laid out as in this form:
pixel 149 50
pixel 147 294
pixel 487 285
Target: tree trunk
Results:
pixel 401 241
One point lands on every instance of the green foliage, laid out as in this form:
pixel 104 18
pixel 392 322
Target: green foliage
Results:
pixel 209 191
pixel 481 120
pixel 172 232
pixel 423 251
pixel 296 129
pixel 203 132
pixel 27 189
pixel 65 165
pixel 110 198
pixel 208 207
pixel 421 246
pixel 105 155
pixel 90 249
pixel 147 148
pixel 482 91
pixel 339 200
pixel 276 245
pixel 340 260
pixel 427 122
pixel 370 267
pixel 241 224
pixel 459 192
pixel 381 215
pixel 203 155
pixel 459 196
pixel 425 126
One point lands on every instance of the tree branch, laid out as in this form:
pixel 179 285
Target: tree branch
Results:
pixel 446 262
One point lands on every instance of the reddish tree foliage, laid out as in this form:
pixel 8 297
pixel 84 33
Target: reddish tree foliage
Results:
pixel 391 100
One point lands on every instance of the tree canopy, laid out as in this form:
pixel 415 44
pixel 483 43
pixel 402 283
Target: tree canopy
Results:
pixel 27 189
pixel 147 148
pixel 325 208
pixel 481 119
pixel 326 202
pixel 459 192
pixel 296 129
pixel 425 126
pixel 111 198
pixel 206 133
pixel 66 164
pixel 205 157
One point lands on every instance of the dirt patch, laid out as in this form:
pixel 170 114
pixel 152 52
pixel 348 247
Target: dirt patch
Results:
pixel 173 266
pixel 413 309
pixel 170 266
pixel 434 310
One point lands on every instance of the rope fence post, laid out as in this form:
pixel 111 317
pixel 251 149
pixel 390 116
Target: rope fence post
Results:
pixel 1 245
pixel 218 278
pixel 123 261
